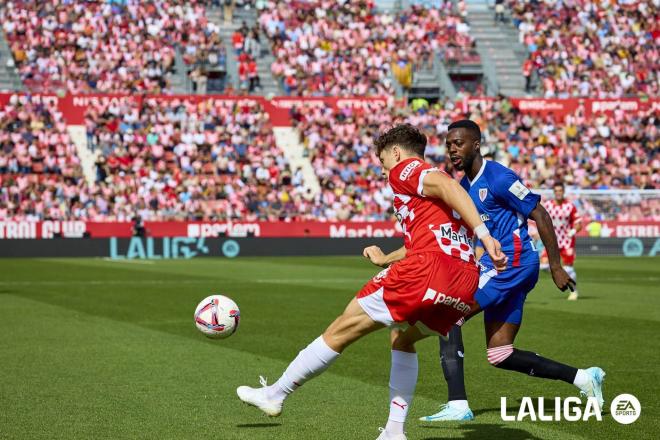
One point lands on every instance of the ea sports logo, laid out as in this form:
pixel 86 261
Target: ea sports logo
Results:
pixel 625 408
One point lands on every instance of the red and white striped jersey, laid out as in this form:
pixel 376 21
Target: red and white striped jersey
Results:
pixel 429 225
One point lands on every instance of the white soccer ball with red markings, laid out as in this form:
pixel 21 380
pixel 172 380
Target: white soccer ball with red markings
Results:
pixel 217 317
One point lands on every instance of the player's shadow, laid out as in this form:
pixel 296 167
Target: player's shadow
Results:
pixel 478 412
pixel 258 425
pixel 479 431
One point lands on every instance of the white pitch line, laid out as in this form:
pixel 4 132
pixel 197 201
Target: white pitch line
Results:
pixel 147 282
pixel 99 282
pixel 208 280
pixel 310 280
pixel 112 260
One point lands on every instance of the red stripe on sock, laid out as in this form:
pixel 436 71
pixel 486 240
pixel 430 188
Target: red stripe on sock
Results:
pixel 499 354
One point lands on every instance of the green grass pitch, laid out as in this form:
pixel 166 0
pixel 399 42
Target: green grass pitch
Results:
pixel 97 349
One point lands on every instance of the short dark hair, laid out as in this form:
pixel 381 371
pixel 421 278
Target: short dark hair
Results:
pixel 405 136
pixel 558 183
pixel 469 125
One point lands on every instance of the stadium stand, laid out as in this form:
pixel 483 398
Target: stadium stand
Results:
pixel 175 158
pixel 40 174
pixel 106 47
pixel 591 48
pixel 184 158
pixel 337 142
pixel 179 159
pixel 325 48
pixel 605 152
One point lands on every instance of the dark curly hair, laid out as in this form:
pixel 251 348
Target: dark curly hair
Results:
pixel 404 136
pixel 468 125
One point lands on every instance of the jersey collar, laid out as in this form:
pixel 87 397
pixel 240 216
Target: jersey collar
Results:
pixel 481 171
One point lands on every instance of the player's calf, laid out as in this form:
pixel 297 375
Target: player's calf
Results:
pixel 508 358
pixel 589 381
pixel 403 378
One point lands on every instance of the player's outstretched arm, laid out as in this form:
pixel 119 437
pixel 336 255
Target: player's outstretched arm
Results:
pixel 441 186
pixel 379 258
pixel 549 239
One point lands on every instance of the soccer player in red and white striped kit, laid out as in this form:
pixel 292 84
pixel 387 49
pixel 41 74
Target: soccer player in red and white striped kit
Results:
pixel 567 224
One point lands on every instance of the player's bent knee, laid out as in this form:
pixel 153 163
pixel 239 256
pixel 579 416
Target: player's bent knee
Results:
pixel 348 328
pixel 401 344
pixel 404 340
pixel 497 355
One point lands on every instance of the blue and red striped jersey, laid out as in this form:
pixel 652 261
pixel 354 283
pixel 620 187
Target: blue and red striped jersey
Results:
pixel 504 203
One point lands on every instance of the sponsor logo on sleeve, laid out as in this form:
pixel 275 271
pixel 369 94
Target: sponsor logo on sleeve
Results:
pixel 408 169
pixel 519 190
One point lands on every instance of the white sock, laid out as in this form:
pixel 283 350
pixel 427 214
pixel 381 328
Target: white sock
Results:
pixel 581 379
pixel 394 428
pixel 403 378
pixel 459 404
pixel 310 362
pixel 571 272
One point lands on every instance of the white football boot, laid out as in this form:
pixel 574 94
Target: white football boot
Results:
pixel 258 397
pixel 595 386
pixel 385 436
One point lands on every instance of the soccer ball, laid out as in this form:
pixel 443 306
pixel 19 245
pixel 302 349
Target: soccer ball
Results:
pixel 217 317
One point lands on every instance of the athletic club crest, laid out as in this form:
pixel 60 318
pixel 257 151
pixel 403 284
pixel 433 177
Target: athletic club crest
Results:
pixel 483 193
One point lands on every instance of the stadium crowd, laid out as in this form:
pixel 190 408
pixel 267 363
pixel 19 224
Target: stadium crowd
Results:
pixel 187 159
pixel 604 49
pixel 321 47
pixel 606 152
pixel 178 159
pixel 117 46
pixel 347 48
pixel 40 172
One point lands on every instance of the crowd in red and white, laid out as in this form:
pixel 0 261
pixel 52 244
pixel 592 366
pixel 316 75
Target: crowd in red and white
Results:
pixel 614 150
pixel 172 158
pixel 40 173
pixel 180 159
pixel 117 46
pixel 609 151
pixel 591 48
pixel 347 48
pixel 338 144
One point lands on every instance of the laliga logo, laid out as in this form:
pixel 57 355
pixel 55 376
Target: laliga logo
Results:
pixel 570 410
pixel 625 409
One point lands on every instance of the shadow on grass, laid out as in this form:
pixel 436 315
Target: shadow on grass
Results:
pixel 258 425
pixel 478 431
pixel 479 412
